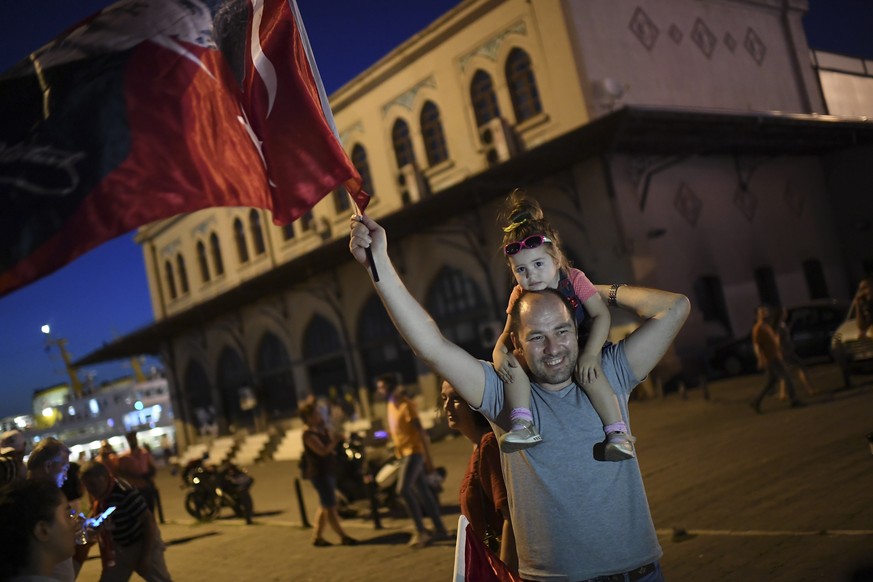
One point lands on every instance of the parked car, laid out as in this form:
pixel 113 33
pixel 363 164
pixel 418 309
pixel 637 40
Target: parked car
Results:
pixel 811 325
pixel 853 353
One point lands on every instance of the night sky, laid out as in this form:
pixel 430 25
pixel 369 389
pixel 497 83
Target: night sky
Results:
pixel 104 294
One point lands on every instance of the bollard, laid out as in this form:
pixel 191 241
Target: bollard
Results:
pixel 158 506
pixel 374 503
pixel 304 521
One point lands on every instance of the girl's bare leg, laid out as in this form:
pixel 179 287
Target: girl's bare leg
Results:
pixel 523 433
pixel 619 443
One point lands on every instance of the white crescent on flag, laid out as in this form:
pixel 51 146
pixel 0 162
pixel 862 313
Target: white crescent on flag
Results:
pixel 262 64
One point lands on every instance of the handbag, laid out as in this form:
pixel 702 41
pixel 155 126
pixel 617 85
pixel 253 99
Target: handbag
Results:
pixel 491 538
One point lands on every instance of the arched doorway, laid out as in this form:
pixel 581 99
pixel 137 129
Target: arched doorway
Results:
pixel 382 349
pixel 234 381
pixel 456 304
pixel 201 411
pixel 275 379
pixel 325 357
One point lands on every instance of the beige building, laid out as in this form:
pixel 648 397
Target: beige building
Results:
pixel 680 144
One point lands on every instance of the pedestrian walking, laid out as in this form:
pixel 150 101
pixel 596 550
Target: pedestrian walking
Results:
pixel 130 540
pixel 765 341
pixel 792 361
pixel 863 303
pixel 412 447
pixel 319 466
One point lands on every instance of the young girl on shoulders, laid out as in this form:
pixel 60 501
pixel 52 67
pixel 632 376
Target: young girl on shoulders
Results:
pixel 533 250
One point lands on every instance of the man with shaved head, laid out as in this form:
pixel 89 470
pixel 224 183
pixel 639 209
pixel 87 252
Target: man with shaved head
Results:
pixel 575 517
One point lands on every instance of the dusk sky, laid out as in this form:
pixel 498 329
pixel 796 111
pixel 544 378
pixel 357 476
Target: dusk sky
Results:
pixel 104 294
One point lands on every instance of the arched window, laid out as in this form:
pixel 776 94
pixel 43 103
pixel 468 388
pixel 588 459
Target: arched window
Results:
pixel 239 234
pixel 710 301
pixel 382 349
pixel 456 304
pixel 183 273
pixel 217 261
pixel 171 279
pixel 232 374
pixel 257 232
pixel 341 202
pixel 275 377
pixel 325 356
pixel 432 132
pixel 204 263
pixel 482 96
pixel 307 221
pixel 522 86
pixel 815 279
pixel 402 144
pixel 768 290
pixel 359 160
pixel 201 412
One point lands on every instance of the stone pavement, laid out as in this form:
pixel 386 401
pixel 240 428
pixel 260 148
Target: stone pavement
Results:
pixel 735 496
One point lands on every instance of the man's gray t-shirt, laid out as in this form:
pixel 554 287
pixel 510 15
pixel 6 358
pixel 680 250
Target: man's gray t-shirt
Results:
pixel 574 517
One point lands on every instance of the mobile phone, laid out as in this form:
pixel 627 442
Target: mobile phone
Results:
pixel 96 522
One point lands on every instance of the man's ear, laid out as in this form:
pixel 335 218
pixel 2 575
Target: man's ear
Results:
pixel 41 530
pixel 46 469
pixel 515 341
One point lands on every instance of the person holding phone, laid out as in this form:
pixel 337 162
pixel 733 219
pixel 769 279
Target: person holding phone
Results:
pixel 133 542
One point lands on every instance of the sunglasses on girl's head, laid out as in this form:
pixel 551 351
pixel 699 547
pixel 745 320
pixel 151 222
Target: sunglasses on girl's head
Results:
pixel 531 242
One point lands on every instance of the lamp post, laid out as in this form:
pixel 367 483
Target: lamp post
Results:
pixel 61 343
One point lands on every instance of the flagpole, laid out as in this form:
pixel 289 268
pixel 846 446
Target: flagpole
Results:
pixel 328 116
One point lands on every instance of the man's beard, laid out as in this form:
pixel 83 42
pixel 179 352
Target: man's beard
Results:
pixel 548 375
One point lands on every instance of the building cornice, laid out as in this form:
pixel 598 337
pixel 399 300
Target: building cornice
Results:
pixel 416 47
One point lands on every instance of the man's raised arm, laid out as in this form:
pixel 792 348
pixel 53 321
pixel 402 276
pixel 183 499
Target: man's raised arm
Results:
pixel 663 313
pixel 416 326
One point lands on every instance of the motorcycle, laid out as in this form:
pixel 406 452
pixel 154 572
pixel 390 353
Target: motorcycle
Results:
pixel 388 474
pixel 361 472
pixel 213 487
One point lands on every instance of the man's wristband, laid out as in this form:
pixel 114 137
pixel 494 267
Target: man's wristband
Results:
pixel 613 291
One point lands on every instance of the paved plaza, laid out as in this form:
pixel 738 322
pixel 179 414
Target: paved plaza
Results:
pixel 735 496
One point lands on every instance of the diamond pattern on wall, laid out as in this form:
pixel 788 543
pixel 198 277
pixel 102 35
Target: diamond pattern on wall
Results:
pixel 755 46
pixel 746 202
pixel 730 42
pixel 703 38
pixel 687 204
pixel 643 28
pixel 794 200
pixel 675 34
